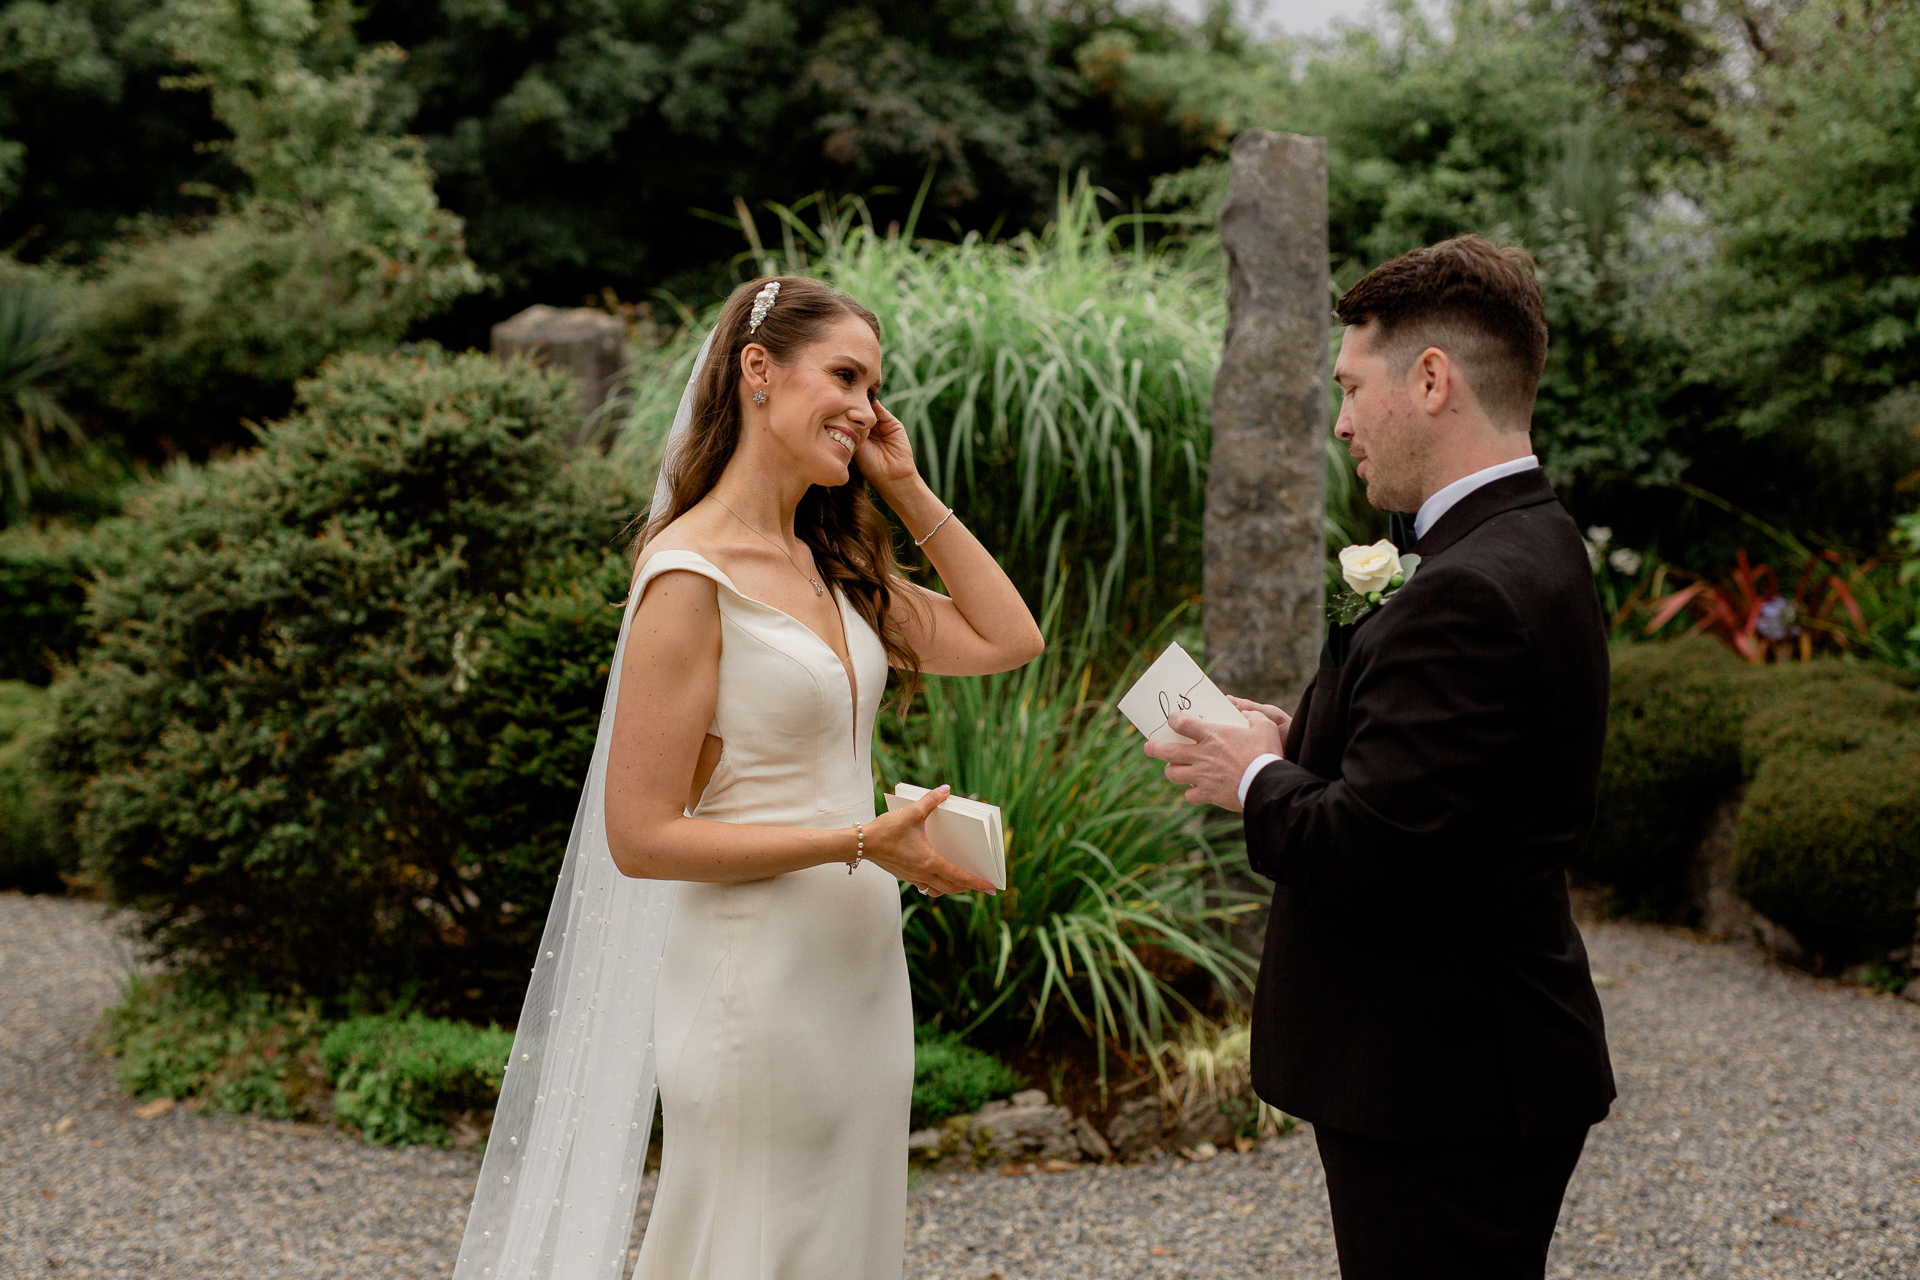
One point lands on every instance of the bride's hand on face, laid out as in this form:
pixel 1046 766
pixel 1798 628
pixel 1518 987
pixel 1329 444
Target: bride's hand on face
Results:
pixel 886 456
pixel 897 842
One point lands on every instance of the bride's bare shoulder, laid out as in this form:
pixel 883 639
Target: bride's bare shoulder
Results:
pixel 688 533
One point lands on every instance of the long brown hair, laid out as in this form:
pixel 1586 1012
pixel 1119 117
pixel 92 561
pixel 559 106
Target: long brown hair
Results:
pixel 852 542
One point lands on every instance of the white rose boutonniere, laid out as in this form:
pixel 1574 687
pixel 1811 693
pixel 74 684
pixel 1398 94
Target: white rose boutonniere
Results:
pixel 1372 574
pixel 1369 569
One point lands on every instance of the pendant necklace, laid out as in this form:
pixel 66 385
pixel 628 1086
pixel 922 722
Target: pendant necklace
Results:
pixel 817 588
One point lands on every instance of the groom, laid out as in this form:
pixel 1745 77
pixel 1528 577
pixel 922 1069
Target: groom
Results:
pixel 1425 999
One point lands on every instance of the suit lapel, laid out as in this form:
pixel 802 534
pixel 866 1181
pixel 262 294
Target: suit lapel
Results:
pixel 1339 640
pixel 1509 493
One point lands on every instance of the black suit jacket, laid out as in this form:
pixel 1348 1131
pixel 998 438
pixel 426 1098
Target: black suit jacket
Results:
pixel 1423 978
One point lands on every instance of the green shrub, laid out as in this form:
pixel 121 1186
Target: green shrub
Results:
pixel 1672 755
pixel 1828 842
pixel 951 1077
pixel 1113 897
pixel 400 1080
pixel 331 734
pixel 236 1052
pixel 36 847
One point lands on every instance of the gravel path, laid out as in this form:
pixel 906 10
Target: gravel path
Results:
pixel 1769 1126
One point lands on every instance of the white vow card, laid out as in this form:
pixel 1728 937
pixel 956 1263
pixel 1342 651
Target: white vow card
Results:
pixel 1173 683
pixel 965 832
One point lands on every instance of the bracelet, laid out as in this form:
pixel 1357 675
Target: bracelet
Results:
pixel 859 847
pixel 921 542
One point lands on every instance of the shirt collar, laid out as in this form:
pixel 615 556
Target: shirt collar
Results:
pixel 1443 499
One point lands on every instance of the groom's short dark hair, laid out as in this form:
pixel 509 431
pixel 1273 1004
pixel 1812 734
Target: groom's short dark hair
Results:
pixel 1475 301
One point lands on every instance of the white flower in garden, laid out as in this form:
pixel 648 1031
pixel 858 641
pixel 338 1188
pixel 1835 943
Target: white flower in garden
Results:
pixel 1369 569
pixel 1599 535
pixel 1627 562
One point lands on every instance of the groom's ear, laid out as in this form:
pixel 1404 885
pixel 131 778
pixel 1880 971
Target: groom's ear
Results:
pixel 1431 380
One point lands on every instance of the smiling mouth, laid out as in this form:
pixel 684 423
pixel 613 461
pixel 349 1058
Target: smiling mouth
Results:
pixel 842 439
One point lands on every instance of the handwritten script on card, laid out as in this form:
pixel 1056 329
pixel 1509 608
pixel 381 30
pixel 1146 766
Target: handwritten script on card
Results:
pixel 1175 683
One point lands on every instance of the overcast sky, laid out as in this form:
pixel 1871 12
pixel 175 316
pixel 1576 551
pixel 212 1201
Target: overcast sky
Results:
pixel 1295 17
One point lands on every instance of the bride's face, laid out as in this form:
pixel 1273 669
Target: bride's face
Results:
pixel 820 406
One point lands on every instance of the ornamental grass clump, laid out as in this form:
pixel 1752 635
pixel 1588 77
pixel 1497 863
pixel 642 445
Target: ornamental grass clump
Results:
pixel 1055 387
pixel 1117 900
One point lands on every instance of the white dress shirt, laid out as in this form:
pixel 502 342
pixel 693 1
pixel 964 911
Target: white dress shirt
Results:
pixel 1437 505
pixel 1444 497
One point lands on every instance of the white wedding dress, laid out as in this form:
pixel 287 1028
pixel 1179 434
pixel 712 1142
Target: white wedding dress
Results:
pixel 783 1026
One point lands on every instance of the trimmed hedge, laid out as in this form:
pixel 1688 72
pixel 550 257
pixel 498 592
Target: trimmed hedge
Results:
pixel 1828 842
pixel 1672 754
pixel 332 726
pixel 36 848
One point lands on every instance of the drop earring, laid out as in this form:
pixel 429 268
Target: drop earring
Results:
pixel 760 396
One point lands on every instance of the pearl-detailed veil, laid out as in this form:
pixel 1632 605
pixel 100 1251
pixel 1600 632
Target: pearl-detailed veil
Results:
pixel 562 1170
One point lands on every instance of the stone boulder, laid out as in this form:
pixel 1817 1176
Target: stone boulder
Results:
pixel 1023 1129
pixel 1265 534
pixel 1026 1128
pixel 591 345
pixel 1146 1123
pixel 1138 1127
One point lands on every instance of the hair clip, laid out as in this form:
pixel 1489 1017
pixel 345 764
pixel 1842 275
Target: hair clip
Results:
pixel 762 301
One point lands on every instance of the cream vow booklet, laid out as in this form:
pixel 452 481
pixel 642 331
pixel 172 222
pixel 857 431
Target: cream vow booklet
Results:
pixel 964 832
pixel 1173 683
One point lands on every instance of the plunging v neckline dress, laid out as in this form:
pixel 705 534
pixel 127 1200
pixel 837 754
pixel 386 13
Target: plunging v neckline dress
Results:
pixel 783 1020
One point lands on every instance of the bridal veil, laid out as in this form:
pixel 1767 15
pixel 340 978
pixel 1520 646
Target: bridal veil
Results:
pixel 562 1168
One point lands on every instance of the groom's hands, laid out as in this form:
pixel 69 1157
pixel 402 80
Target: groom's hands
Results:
pixel 1211 766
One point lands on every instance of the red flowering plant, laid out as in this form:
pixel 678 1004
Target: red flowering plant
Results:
pixel 1747 611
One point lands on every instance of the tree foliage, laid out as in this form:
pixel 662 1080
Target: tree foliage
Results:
pixel 1802 311
pixel 89 133
pixel 578 138
pixel 338 245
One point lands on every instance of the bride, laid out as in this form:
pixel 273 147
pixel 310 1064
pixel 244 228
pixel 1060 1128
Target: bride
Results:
pixel 728 914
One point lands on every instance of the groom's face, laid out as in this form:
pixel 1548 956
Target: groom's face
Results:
pixel 1378 422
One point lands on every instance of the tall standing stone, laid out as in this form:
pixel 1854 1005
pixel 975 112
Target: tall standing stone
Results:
pixel 589 344
pixel 1267 474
